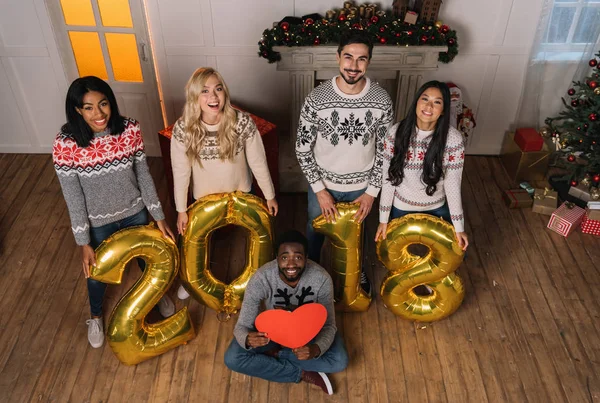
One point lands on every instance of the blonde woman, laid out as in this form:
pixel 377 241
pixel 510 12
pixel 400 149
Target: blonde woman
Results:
pixel 217 146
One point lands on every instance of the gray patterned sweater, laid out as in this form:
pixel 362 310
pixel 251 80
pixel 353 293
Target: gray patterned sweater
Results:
pixel 340 137
pixel 105 182
pixel 267 287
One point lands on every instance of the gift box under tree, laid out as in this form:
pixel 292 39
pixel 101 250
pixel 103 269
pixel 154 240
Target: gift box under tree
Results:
pixel 517 198
pixel 544 201
pixel 524 165
pixel 589 226
pixel 566 218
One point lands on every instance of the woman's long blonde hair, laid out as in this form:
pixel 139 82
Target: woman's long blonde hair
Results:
pixel 194 130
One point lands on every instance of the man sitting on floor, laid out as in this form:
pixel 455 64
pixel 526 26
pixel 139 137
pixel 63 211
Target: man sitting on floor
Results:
pixel 286 283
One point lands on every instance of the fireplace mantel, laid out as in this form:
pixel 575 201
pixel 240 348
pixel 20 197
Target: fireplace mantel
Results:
pixel 400 66
pixel 398 69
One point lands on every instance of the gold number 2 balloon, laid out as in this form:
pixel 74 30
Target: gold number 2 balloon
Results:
pixel 435 269
pixel 205 216
pixel 345 235
pixel 131 339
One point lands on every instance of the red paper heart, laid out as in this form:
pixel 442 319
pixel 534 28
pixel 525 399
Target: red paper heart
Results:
pixel 292 329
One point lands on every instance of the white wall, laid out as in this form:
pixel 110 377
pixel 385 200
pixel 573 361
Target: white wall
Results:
pixel 32 80
pixel 494 39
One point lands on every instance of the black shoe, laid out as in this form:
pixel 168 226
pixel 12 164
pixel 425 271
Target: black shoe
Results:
pixel 365 284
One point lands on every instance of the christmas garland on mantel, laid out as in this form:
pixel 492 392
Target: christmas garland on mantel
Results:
pixel 384 29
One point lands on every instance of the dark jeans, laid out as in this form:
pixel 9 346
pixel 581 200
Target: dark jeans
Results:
pixel 96 289
pixel 442 212
pixel 315 239
pixel 285 368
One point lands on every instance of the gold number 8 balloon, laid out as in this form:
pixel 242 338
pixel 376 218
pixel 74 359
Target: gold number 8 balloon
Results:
pixel 131 339
pixel 205 216
pixel 345 235
pixel 436 269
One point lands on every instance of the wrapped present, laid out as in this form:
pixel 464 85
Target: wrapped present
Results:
pixel 528 139
pixel 566 218
pixel 589 225
pixel 524 165
pixel 544 201
pixel 592 214
pixel 581 191
pixel 517 198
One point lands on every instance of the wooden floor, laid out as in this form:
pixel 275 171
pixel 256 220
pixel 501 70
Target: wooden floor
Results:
pixel 528 330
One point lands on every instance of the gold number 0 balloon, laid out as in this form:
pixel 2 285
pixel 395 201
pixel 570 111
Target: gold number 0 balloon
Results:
pixel 131 339
pixel 345 235
pixel 205 216
pixel 435 269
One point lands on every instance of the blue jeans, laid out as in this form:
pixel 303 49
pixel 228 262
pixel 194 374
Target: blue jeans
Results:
pixel 96 289
pixel 442 212
pixel 285 368
pixel 315 239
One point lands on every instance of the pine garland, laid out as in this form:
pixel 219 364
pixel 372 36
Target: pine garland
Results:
pixel 384 29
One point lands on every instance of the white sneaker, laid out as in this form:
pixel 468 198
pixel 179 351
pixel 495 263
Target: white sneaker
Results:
pixel 182 293
pixel 95 332
pixel 166 307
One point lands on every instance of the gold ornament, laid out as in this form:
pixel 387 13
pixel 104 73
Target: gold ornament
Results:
pixel 438 24
pixel 595 193
pixel 586 181
pixel 131 339
pixel 205 216
pixel 545 132
pixel 435 269
pixel 345 235
pixel 597 90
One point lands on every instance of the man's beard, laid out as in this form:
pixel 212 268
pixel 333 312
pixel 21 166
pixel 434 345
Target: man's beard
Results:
pixel 299 271
pixel 351 80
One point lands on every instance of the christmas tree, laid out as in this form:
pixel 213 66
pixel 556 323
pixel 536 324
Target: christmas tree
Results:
pixel 576 131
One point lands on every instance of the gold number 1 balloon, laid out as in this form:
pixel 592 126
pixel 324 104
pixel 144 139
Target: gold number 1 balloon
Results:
pixel 205 216
pixel 131 339
pixel 345 235
pixel 435 269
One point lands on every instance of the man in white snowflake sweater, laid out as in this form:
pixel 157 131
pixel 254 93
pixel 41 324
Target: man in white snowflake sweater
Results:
pixel 339 145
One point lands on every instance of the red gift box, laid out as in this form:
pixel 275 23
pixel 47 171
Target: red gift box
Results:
pixel 589 226
pixel 528 139
pixel 566 218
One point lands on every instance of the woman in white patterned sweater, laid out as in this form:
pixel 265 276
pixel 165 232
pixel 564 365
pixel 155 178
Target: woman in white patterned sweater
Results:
pixel 216 146
pixel 101 165
pixel 423 163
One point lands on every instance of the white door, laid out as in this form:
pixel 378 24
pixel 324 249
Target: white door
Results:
pixel 109 39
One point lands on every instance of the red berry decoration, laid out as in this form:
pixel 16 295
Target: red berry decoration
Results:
pixel 382 40
pixel 374 19
pixel 578 128
pixel 382 29
pixel 309 21
pixel 596 178
pixel 409 33
pixel 451 41
pixel 573 182
pixel 317 41
pixel 571 158
pixel 285 26
pixel 571 92
pixel 445 29
pixel 424 38
pixel 265 54
pixel 585 126
pixel 593 63
pixel 356 25
pixel 432 37
pixel 574 103
pixel 592 84
pixel 593 117
pixel 342 17
pixel 398 34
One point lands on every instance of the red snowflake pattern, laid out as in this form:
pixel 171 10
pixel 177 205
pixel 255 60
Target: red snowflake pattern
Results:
pixel 421 155
pixel 409 155
pixel 118 144
pixel 462 155
pixel 451 158
pixel 95 150
pixel 63 153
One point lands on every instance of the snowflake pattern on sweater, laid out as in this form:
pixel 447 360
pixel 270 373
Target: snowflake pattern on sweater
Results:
pixel 340 137
pixel 410 195
pixel 106 181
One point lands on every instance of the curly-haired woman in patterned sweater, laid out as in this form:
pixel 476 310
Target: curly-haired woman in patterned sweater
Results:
pixel 217 146
pixel 423 163
pixel 101 165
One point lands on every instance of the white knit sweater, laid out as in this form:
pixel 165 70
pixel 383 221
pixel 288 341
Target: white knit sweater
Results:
pixel 410 194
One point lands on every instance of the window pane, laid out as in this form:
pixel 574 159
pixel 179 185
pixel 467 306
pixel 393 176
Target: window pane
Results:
pixel 78 12
pixel 124 57
pixel 560 23
pixel 115 13
pixel 588 25
pixel 88 54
